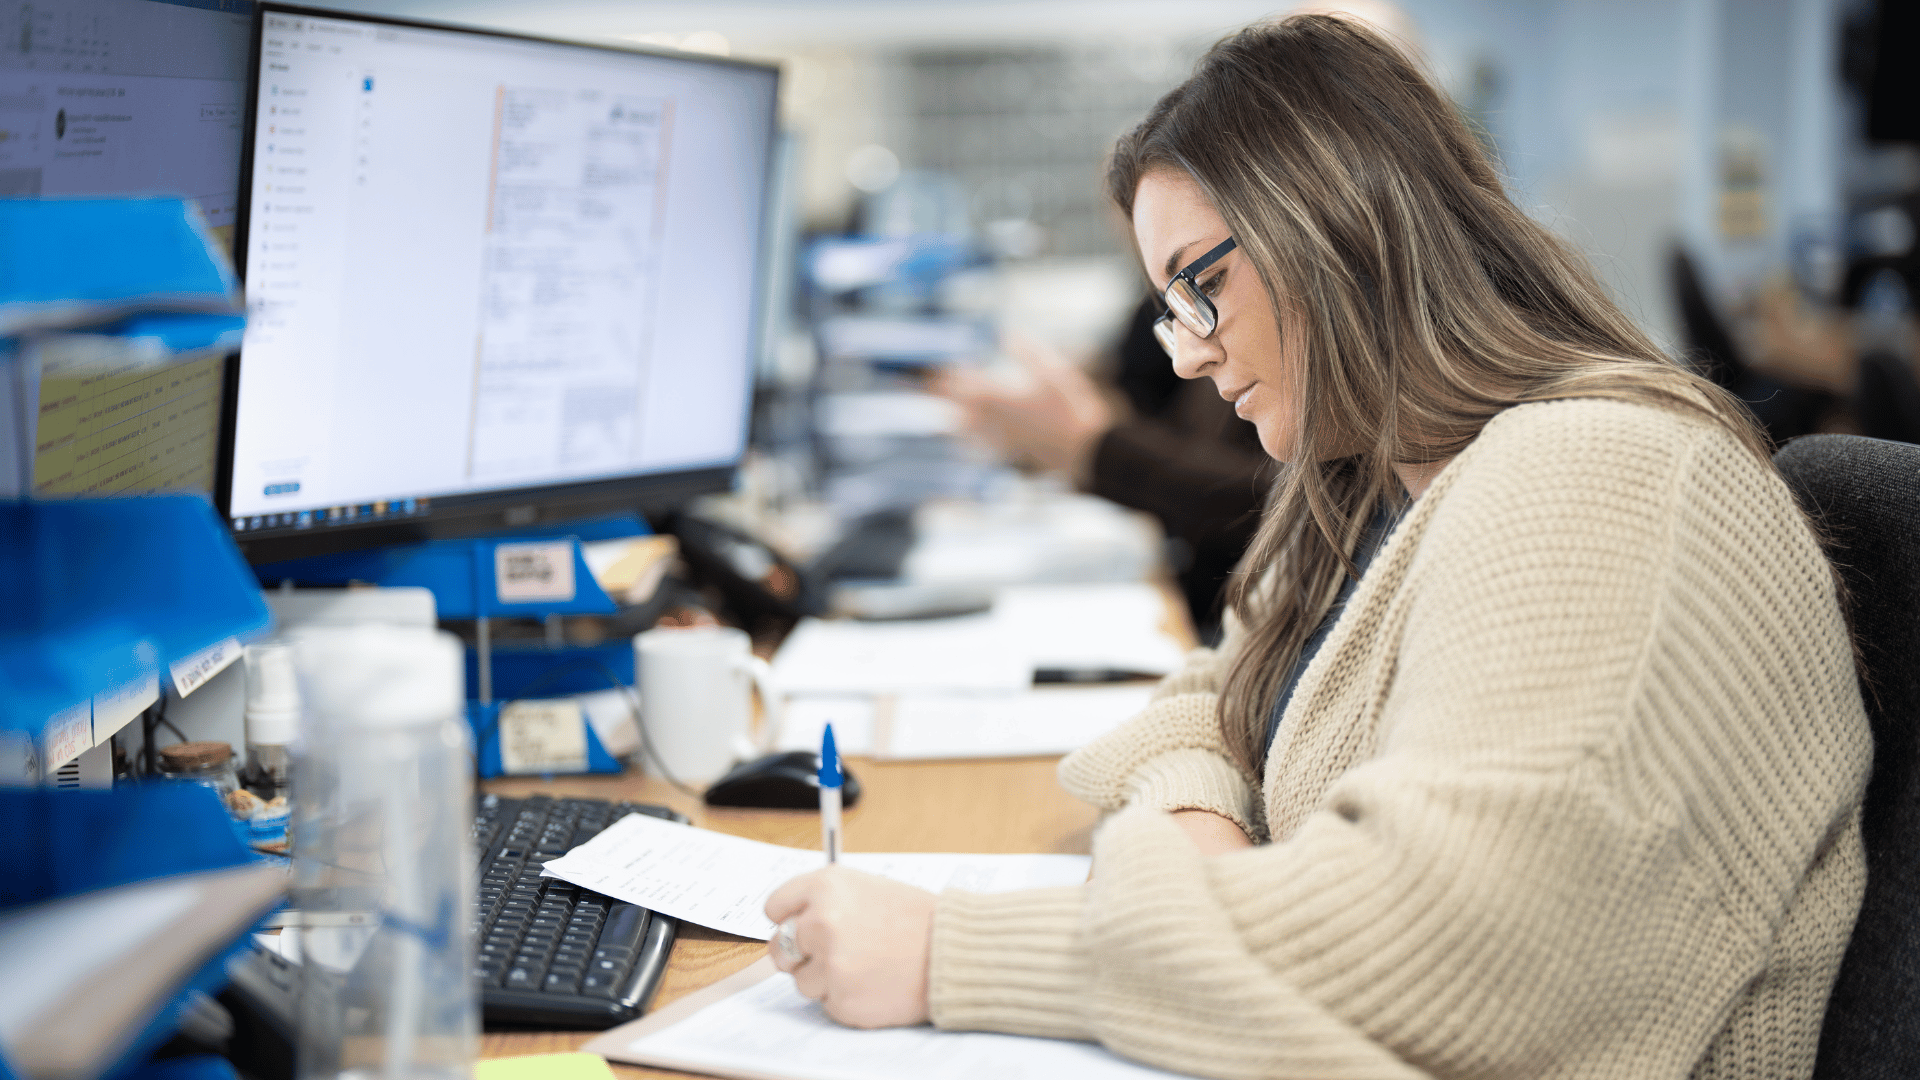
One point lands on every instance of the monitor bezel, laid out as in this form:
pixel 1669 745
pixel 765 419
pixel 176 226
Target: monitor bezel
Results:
pixel 505 509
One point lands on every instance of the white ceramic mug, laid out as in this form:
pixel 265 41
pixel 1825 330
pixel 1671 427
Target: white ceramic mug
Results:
pixel 696 699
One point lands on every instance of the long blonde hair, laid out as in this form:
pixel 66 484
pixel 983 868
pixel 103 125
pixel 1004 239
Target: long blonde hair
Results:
pixel 1420 301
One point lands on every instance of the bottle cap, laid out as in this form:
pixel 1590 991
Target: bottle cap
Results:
pixel 273 694
pixel 377 676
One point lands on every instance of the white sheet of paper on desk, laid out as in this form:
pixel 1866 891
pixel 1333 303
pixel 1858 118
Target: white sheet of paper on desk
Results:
pixel 804 718
pixel 723 881
pixel 966 653
pixel 1054 720
pixel 768 1029
pixel 1089 626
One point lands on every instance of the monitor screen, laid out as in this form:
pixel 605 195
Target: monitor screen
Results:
pixel 487 276
pixel 125 97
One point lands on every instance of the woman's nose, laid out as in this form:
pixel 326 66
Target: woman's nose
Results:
pixel 1193 355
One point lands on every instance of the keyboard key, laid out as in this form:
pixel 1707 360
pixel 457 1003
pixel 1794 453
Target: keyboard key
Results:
pixel 595 984
pixel 522 978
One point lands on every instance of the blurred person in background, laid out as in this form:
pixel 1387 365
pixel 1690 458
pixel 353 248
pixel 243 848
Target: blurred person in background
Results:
pixel 1169 447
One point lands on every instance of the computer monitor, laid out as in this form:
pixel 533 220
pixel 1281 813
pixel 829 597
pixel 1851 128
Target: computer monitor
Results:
pixel 125 97
pixel 492 280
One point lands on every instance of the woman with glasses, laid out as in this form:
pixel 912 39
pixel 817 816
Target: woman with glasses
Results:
pixel 1537 747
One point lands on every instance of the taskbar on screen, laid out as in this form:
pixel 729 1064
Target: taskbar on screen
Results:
pixel 329 516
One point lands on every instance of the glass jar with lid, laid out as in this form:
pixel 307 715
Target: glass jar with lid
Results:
pixel 209 763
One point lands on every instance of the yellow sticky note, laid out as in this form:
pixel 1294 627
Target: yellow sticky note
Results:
pixel 544 1067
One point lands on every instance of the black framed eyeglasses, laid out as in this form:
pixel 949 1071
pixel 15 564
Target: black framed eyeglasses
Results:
pixel 1186 301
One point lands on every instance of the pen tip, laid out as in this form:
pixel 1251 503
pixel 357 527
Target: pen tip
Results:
pixel 829 760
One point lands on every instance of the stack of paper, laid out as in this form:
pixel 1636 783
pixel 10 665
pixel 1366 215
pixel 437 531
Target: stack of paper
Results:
pixel 963 687
pixel 966 653
pixel 1042 722
pixel 1089 627
pixel 1075 627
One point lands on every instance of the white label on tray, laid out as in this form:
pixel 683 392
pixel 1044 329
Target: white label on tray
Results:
pixel 192 673
pixel 69 734
pixel 529 573
pixel 543 737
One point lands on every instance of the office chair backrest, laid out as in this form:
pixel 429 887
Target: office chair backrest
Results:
pixel 1886 400
pixel 1867 494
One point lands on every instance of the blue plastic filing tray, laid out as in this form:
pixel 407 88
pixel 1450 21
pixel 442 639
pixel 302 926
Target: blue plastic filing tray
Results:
pixel 68 263
pixel 63 843
pixel 526 670
pixel 460 572
pixel 96 592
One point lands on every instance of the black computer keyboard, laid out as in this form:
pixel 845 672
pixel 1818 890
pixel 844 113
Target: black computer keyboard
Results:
pixel 551 953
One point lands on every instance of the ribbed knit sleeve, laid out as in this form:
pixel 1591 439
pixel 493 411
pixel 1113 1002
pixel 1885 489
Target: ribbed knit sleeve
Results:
pixel 1571 791
pixel 1171 756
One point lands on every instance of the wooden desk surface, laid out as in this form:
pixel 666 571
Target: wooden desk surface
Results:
pixel 1012 805
pixel 996 806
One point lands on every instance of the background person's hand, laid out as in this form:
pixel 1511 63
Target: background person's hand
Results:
pixel 1052 420
pixel 864 943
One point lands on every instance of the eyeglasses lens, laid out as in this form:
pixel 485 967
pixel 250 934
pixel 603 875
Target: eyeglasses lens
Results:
pixel 1163 329
pixel 1185 301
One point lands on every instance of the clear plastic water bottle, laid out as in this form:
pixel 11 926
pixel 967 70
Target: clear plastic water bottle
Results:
pixel 383 871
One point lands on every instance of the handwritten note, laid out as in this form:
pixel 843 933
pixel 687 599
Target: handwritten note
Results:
pixel 723 881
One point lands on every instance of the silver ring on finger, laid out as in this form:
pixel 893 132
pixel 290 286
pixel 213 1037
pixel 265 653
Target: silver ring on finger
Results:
pixel 786 939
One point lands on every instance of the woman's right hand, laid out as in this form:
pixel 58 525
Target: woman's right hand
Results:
pixel 1210 832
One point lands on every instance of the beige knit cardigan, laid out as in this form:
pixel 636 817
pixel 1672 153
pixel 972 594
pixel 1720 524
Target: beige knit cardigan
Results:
pixel 1571 790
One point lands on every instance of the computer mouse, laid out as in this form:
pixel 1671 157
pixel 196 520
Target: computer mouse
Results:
pixel 789 781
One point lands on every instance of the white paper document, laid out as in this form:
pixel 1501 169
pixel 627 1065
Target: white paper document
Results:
pixel 1075 627
pixel 966 653
pixel 769 1030
pixel 723 881
pixel 804 718
pixel 1054 720
pixel 1089 627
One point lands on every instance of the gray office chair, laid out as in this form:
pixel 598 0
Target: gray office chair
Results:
pixel 1867 494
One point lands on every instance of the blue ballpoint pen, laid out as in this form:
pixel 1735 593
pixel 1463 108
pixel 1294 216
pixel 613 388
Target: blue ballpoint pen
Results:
pixel 830 781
